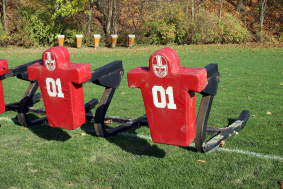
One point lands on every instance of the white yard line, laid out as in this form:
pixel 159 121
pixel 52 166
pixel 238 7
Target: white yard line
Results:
pixel 244 152
pixel 254 154
pixel 6 119
pixel 135 135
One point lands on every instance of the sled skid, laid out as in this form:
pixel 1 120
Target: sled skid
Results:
pixel 128 124
pixel 100 118
pixel 224 134
pixel 201 122
pixel 21 73
pixel 110 76
pixel 15 106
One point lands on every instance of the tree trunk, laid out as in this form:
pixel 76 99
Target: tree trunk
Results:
pixel 262 8
pixel 57 6
pixel 140 17
pixel 18 4
pixel 240 6
pixel 187 7
pixel 100 4
pixel 4 15
pixel 199 1
pixel 220 9
pixel 245 16
pixel 91 3
pixel 110 12
pixel 116 15
pixel 193 9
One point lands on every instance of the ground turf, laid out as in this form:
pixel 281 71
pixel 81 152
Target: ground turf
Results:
pixel 251 78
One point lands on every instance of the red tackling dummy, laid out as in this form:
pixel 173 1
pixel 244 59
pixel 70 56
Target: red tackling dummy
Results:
pixel 168 92
pixel 3 69
pixel 60 82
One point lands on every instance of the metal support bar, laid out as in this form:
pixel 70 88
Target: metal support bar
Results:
pixel 227 133
pixel 24 105
pixel 100 117
pixel 201 122
pixel 20 71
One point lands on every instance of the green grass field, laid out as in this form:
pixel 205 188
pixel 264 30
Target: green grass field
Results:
pixel 251 78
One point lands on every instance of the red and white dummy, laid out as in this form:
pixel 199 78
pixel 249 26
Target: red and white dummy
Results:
pixel 60 82
pixel 168 92
pixel 3 69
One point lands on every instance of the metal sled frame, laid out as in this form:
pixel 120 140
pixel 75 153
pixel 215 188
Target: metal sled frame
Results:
pixel 221 134
pixel 108 76
pixel 29 98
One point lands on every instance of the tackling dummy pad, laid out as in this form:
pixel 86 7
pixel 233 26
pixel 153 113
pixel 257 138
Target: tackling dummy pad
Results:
pixel 3 69
pixel 60 82
pixel 168 92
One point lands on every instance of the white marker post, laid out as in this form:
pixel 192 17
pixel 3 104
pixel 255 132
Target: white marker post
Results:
pixel 96 40
pixel 131 39
pixel 61 40
pixel 114 40
pixel 79 39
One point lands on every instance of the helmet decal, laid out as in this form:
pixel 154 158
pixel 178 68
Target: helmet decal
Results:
pixel 159 65
pixel 49 61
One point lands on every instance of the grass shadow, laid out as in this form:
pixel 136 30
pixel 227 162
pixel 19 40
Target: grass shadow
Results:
pixel 231 121
pixel 50 133
pixel 189 148
pixel 280 184
pixel 45 131
pixel 129 142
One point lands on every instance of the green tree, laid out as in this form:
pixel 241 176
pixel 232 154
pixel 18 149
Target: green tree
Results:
pixel 65 8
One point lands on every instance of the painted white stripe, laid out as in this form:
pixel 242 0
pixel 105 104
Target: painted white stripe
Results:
pixel 254 154
pixel 6 119
pixel 135 135
pixel 245 152
pixel 123 134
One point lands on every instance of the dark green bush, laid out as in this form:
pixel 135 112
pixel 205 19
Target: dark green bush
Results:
pixel 170 27
pixel 232 31
pixel 4 38
pixel 206 29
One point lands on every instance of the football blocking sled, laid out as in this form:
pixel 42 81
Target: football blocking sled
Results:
pixel 51 88
pixel 168 91
pixel 61 82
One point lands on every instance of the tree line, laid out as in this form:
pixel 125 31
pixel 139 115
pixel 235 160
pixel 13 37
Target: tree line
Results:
pixel 38 22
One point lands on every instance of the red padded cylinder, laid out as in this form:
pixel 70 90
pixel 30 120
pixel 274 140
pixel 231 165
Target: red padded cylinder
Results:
pixel 3 69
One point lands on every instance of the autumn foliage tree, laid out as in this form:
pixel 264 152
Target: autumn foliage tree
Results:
pixel 37 23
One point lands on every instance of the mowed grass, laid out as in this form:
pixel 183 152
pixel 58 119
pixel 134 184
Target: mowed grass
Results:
pixel 251 78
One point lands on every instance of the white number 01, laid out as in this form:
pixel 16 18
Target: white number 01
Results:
pixel 52 83
pixel 162 103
